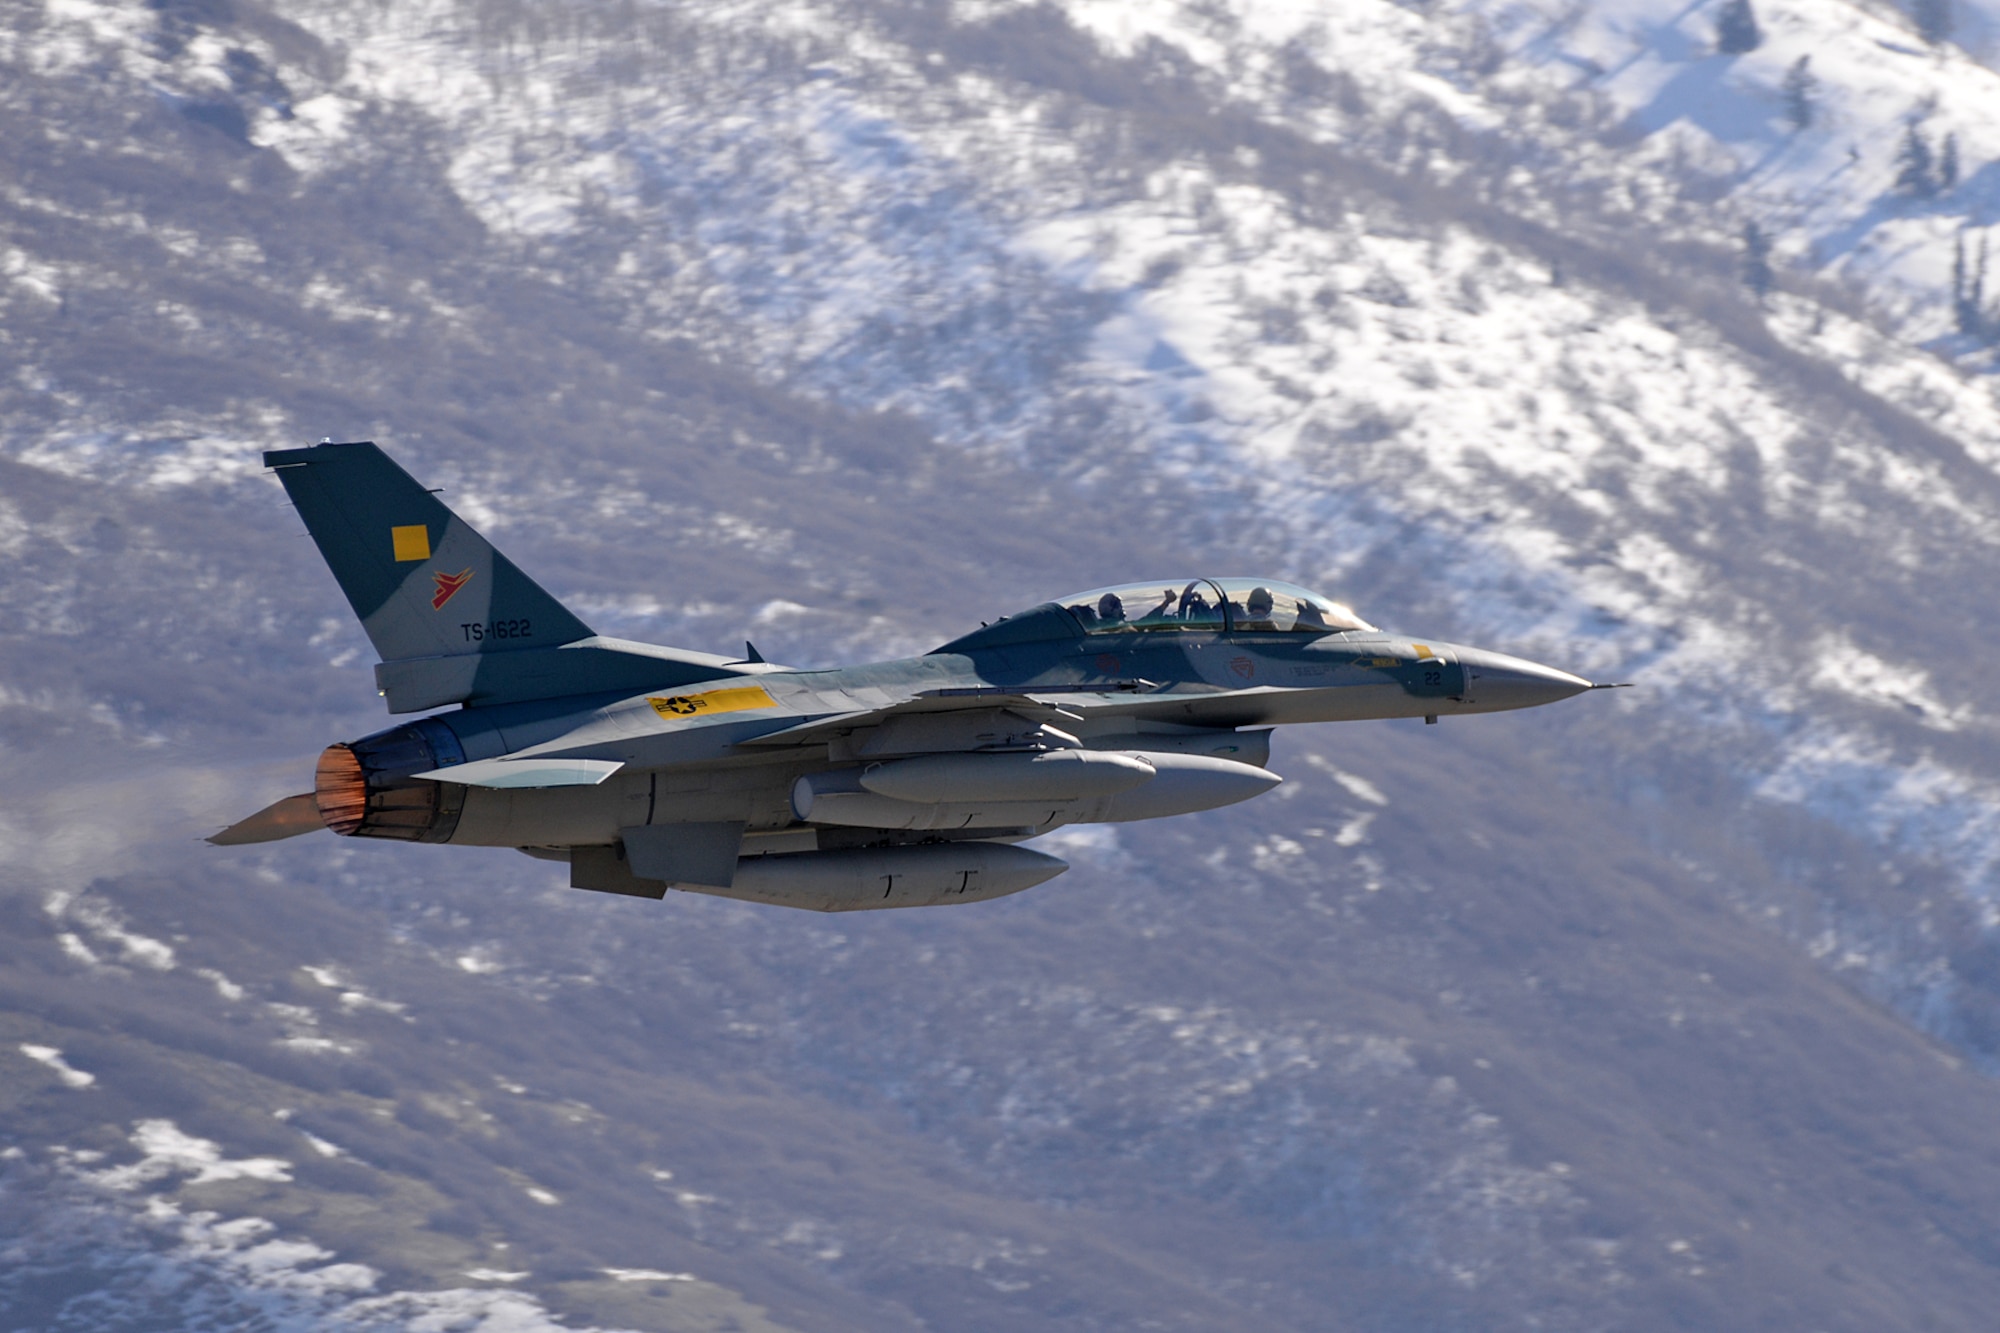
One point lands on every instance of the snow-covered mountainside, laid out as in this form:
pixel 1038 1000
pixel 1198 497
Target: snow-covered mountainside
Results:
pixel 849 325
pixel 1382 311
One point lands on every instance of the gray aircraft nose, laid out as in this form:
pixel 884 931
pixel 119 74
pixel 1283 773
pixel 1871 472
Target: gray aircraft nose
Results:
pixel 1495 681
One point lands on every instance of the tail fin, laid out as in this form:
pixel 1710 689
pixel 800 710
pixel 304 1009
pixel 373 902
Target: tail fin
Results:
pixel 422 581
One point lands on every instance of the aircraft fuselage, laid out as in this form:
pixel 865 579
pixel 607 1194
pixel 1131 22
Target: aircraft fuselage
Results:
pixel 898 783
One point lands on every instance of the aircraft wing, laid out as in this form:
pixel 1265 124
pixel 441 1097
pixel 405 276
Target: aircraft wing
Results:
pixel 931 707
pixel 967 718
pixel 1257 705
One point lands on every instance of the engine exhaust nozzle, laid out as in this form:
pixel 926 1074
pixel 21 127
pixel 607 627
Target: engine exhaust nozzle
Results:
pixel 365 789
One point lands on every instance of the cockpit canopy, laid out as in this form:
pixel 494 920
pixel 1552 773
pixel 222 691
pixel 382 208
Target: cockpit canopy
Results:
pixel 1241 606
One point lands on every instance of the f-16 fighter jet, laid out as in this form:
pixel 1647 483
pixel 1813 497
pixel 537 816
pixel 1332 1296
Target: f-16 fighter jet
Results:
pixel 899 784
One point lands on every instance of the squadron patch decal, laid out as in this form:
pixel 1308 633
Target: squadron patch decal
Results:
pixel 411 543
pixel 448 586
pixel 712 701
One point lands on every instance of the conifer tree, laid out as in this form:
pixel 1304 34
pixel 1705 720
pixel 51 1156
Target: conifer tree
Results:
pixel 1935 20
pixel 1947 172
pixel 1961 308
pixel 1736 30
pixel 1981 325
pixel 1915 170
pixel 1757 273
pixel 1799 88
pixel 1968 292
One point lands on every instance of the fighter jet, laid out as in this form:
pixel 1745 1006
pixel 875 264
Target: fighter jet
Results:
pixel 906 783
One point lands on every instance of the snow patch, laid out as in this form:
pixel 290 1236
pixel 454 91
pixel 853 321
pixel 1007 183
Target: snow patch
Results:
pixel 53 1058
pixel 645 1275
pixel 168 1151
pixel 106 924
pixel 351 998
pixel 1357 786
pixel 1354 831
pixel 224 987
pixel 1861 675
pixel 321 1146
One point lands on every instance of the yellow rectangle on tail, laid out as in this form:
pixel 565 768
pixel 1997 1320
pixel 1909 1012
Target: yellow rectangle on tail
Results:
pixel 412 543
pixel 712 701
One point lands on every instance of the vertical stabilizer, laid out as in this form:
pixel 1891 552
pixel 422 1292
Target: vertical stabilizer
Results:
pixel 422 581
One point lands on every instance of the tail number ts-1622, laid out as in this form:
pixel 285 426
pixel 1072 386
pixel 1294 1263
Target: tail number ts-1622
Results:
pixel 496 629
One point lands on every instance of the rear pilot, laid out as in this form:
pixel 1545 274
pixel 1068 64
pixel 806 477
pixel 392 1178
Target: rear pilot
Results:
pixel 1258 608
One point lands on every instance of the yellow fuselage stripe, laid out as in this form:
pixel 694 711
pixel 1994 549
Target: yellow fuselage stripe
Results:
pixel 712 701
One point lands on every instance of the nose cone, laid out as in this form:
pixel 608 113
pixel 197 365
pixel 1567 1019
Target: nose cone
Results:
pixel 1495 682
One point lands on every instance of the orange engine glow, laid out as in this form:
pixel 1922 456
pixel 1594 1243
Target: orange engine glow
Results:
pixel 340 789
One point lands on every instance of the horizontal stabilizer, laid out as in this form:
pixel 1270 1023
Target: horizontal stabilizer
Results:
pixel 281 819
pixel 507 773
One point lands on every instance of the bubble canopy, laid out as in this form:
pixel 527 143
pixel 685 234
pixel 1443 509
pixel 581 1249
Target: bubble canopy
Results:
pixel 1240 606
